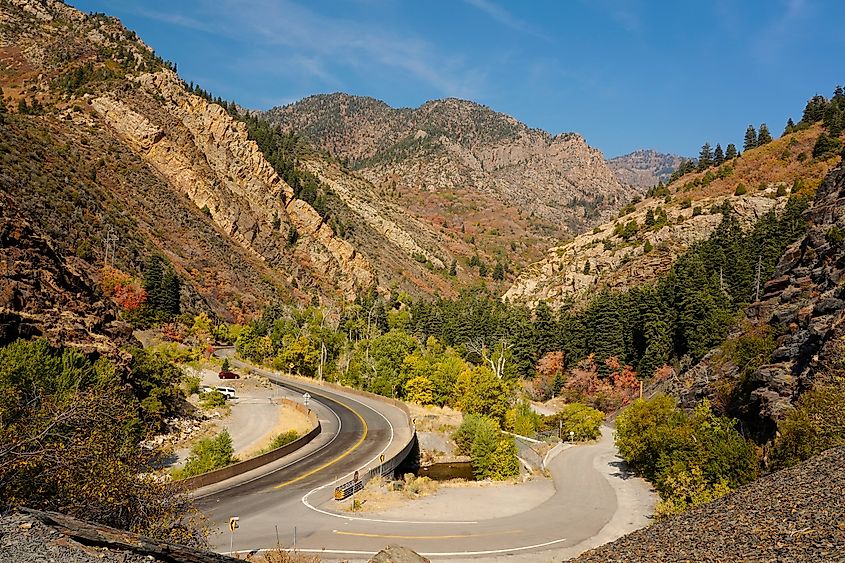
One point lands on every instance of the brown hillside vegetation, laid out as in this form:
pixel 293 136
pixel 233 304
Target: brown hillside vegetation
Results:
pixel 103 140
pixel 628 251
pixel 479 177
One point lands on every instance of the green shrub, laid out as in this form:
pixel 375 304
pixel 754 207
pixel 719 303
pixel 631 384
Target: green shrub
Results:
pixel 209 454
pixel 741 190
pixel 690 458
pixel 192 384
pixel 212 399
pixel 283 439
pixel 493 454
pixel 834 236
pixel 815 424
pixel 583 421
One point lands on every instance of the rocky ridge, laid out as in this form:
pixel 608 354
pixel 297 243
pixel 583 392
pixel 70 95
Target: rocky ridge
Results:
pixel 802 307
pixel 644 168
pixel 793 515
pixel 453 158
pixel 606 258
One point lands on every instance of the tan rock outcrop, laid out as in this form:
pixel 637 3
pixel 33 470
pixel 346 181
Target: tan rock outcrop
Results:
pixel 222 170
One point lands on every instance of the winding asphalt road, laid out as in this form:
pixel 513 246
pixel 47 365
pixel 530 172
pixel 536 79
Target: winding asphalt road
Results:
pixel 293 504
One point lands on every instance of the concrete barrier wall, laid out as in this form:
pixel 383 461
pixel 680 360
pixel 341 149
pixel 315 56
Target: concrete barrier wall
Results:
pixel 253 463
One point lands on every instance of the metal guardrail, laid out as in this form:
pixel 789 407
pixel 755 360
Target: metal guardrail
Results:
pixel 385 467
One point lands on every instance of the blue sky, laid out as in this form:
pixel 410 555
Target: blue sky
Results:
pixel 625 74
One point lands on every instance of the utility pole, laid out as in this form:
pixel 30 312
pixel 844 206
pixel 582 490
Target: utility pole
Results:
pixel 110 241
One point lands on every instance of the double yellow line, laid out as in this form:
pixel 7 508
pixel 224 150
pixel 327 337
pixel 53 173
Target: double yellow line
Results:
pixel 338 458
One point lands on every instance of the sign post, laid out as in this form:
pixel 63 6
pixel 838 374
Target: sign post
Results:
pixel 571 436
pixel 233 525
pixel 305 398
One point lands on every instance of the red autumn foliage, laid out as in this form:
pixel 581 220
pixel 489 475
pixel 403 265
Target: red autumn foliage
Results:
pixel 549 367
pixel 122 288
pixel 607 393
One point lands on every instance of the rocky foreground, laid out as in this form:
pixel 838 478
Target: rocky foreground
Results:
pixel 797 514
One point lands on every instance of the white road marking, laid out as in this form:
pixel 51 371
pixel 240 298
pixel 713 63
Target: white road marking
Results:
pixel 429 554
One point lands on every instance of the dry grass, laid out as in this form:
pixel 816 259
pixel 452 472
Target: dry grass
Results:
pixel 378 494
pixel 281 555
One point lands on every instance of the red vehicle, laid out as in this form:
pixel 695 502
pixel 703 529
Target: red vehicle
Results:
pixel 228 375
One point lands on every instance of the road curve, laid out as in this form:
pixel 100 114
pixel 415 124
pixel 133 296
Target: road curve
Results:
pixel 356 431
pixel 272 508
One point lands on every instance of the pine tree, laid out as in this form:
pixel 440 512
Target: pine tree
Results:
pixel 790 127
pixel 718 155
pixel 453 269
pixel 730 152
pixel 499 272
pixel 750 138
pixel 545 329
pixel 170 289
pixel 764 136
pixel 153 275
pixel 814 110
pixel 2 108
pixel 705 157
pixel 649 218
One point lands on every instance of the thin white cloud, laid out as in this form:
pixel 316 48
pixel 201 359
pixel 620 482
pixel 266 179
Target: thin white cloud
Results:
pixel 293 34
pixel 505 18
pixel 781 31
pixel 624 13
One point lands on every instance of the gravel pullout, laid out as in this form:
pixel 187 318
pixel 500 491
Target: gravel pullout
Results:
pixel 797 514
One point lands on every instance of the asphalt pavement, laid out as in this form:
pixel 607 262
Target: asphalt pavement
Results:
pixel 293 505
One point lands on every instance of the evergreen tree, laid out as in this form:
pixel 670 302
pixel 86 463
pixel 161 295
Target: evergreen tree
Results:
pixel 545 329
pixel 814 110
pixel 482 270
pixel 170 289
pixel 2 108
pixel 790 127
pixel 499 272
pixel 764 136
pixel 730 152
pixel 649 218
pixel 453 269
pixel 750 138
pixel 705 157
pixel 152 282
pixel 718 155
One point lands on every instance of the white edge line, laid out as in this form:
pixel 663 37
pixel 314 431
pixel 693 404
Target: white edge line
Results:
pixel 429 554
pixel 305 497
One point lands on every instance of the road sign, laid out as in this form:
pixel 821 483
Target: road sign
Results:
pixel 233 524
pixel 355 477
pixel 305 398
pixel 381 458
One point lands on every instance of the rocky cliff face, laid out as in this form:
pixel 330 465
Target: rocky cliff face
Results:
pixel 461 164
pixel 225 172
pixel 802 307
pixel 643 242
pixel 644 168
pixel 44 294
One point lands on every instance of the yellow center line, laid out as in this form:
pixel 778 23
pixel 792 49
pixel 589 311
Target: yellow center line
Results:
pixel 441 537
pixel 338 458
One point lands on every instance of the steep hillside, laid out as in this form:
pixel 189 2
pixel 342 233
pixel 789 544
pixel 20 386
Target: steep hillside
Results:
pixel 644 168
pixel 479 175
pixel 104 144
pixel 643 242
pixel 44 294
pixel 801 314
